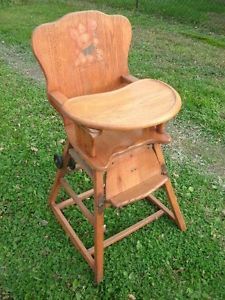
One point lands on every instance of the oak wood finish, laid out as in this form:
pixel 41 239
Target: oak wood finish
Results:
pixel 128 78
pixel 138 192
pixel 75 56
pixel 73 236
pixel 141 104
pixel 86 139
pixel 111 144
pixel 77 201
pixel 129 173
pixel 175 206
pixel 115 123
pixel 71 201
pixel 99 195
pixel 160 205
pixel 119 236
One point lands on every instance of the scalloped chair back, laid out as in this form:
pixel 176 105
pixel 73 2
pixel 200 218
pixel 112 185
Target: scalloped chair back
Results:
pixel 83 52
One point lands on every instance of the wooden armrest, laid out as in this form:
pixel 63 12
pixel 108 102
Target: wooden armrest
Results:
pixel 129 78
pixel 161 128
pixel 57 99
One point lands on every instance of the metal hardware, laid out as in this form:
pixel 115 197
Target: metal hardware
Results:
pixel 164 170
pixel 58 160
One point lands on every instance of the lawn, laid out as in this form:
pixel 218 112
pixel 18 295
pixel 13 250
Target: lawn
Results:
pixel 37 260
pixel 204 13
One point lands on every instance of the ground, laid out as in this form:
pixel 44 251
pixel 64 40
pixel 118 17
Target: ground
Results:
pixel 157 262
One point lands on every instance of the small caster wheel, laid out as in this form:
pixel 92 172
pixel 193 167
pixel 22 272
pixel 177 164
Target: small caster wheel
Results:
pixel 58 160
pixel 71 164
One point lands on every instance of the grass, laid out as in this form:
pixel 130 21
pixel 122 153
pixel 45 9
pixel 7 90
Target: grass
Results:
pixel 202 12
pixel 206 39
pixel 37 260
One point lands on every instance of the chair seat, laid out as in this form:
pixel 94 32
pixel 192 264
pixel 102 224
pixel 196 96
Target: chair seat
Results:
pixel 142 104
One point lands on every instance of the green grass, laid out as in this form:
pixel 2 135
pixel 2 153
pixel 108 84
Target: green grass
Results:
pixel 207 14
pixel 206 39
pixel 37 260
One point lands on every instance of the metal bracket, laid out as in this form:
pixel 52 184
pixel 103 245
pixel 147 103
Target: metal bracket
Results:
pixel 102 200
pixel 164 170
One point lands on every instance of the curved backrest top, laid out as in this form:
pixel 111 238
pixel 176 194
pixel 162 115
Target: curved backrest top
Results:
pixel 83 52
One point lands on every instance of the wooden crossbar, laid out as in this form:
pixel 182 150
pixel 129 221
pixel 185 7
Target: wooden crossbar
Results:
pixel 159 204
pixel 73 236
pixel 71 201
pixel 86 212
pixel 119 236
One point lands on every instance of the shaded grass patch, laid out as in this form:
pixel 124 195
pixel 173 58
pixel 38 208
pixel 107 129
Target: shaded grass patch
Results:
pixel 206 39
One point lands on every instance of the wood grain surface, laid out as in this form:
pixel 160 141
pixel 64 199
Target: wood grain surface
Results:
pixel 83 52
pixel 141 104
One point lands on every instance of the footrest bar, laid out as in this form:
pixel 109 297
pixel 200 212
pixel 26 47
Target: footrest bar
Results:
pixel 73 236
pixel 129 230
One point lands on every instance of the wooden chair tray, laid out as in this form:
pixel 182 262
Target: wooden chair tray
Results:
pixel 141 104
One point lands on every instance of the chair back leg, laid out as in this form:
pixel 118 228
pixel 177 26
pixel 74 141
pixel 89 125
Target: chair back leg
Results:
pixel 175 206
pixel 179 219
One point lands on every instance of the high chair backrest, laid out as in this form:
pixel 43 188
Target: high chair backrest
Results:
pixel 83 52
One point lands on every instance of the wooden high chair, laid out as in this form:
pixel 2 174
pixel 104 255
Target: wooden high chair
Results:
pixel 114 123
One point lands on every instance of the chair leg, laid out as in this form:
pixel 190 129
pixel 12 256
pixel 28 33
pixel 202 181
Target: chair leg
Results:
pixel 170 192
pixel 59 174
pixel 99 225
pixel 175 206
